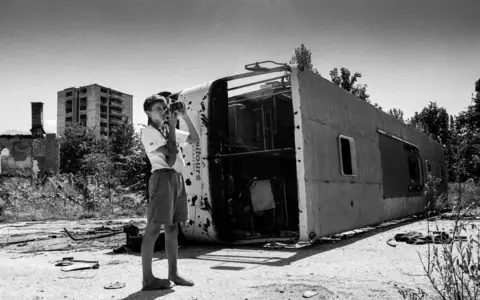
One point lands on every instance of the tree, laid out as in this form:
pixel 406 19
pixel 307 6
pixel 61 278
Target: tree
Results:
pixel 128 154
pixel 76 142
pixel 397 113
pixel 347 82
pixel 433 121
pixel 303 57
pixel 100 166
pixel 467 131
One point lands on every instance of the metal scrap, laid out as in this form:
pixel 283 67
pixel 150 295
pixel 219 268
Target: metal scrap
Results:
pixel 68 261
pixel 92 237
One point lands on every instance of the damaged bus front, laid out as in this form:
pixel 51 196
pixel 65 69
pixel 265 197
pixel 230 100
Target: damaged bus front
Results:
pixel 242 176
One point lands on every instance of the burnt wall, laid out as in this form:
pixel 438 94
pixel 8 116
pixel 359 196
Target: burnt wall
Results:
pixel 25 155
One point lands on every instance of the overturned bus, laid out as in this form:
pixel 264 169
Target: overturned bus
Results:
pixel 285 154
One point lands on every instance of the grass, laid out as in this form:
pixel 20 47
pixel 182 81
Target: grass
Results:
pixel 24 200
pixel 453 269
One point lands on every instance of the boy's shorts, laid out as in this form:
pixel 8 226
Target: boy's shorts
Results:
pixel 168 199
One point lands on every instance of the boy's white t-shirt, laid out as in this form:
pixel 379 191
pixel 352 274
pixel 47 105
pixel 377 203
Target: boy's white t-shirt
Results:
pixel 152 139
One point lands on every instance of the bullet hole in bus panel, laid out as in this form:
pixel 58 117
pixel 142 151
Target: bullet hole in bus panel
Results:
pixel 188 181
pixel 207 224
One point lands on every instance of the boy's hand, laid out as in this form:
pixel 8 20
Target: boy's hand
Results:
pixel 182 112
pixel 172 119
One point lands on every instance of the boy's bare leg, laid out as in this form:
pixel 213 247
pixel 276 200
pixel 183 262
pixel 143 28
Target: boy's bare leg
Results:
pixel 148 244
pixel 171 247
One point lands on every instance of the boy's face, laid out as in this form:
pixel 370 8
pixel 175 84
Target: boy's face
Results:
pixel 158 113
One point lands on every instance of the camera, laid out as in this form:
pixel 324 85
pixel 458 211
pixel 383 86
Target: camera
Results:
pixel 175 106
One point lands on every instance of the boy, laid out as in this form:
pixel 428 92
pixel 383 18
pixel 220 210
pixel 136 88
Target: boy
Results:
pixel 167 203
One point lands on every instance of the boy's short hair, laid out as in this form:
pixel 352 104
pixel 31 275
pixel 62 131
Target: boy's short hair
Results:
pixel 152 100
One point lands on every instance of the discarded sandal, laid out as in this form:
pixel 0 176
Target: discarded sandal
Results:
pixel 116 285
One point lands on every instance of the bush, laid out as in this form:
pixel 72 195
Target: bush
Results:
pixel 453 267
pixel 63 197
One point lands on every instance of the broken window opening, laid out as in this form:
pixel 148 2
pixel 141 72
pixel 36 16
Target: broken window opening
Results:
pixel 83 103
pixel 83 120
pixel 415 173
pixel 68 94
pixel 428 166
pixel 348 157
pixel 257 179
pixel 68 106
pixel 4 154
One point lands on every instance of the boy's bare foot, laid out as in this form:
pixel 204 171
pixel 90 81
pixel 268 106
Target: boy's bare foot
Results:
pixel 156 284
pixel 178 280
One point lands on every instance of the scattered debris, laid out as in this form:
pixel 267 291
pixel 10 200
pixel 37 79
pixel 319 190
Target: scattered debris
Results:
pixel 290 245
pixel 17 242
pixel 134 240
pixel 116 285
pixel 92 237
pixel 115 262
pixel 417 238
pixel 120 250
pixel 18 226
pixel 309 294
pixel 71 264
pixel 68 261
pixel 390 244
pixel 80 266
pixel 77 277
pixel 463 216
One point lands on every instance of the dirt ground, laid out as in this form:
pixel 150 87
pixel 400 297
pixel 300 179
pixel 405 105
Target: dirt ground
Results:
pixel 362 266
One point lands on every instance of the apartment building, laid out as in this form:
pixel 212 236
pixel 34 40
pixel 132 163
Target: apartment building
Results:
pixel 98 107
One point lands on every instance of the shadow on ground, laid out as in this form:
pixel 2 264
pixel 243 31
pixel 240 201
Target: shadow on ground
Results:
pixel 244 254
pixel 148 295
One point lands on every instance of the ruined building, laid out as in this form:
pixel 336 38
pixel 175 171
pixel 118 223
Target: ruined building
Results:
pixel 99 108
pixel 30 154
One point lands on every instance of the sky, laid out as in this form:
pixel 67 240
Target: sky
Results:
pixel 409 52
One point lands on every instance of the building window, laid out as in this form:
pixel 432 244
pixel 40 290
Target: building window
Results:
pixel 68 106
pixel 68 119
pixel 69 94
pixel 83 120
pixel 428 166
pixel 83 103
pixel 103 100
pixel 348 156
pixel 83 90
pixel 103 90
pixel 414 163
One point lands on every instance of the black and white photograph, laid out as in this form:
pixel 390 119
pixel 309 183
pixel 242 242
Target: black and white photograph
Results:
pixel 243 150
